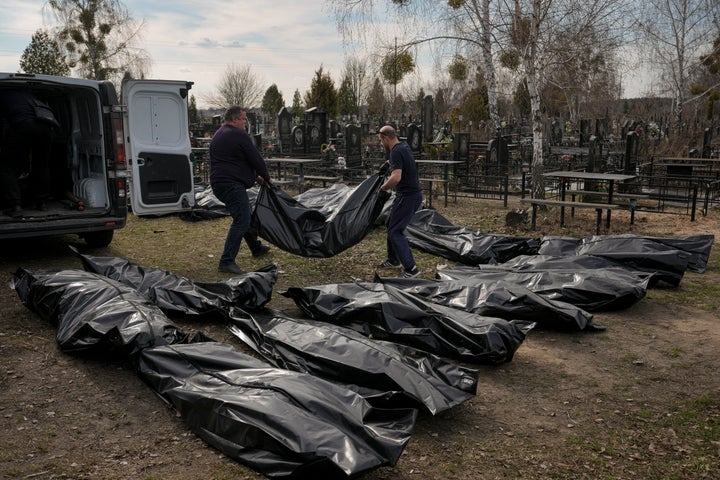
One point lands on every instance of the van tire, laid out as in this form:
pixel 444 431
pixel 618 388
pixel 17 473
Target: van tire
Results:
pixel 99 239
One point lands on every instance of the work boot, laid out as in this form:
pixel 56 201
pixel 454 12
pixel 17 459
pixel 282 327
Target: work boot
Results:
pixel 230 268
pixel 261 251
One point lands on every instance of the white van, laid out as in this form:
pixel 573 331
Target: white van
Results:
pixel 107 154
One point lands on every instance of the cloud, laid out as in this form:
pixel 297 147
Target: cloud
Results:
pixel 207 43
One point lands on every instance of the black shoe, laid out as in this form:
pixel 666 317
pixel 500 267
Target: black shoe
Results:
pixel 230 268
pixel 389 264
pixel 260 251
pixel 412 273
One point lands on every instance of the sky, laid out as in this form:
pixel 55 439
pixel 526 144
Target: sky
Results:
pixel 284 41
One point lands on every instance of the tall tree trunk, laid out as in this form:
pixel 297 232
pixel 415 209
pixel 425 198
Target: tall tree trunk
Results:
pixel 530 60
pixel 538 181
pixel 486 42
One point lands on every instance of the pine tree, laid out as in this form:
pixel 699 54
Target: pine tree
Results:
pixel 43 56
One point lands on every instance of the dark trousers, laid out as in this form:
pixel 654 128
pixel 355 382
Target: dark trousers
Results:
pixel 401 213
pixel 235 198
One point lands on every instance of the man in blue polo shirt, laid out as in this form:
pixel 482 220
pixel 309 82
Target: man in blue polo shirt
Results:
pixel 408 198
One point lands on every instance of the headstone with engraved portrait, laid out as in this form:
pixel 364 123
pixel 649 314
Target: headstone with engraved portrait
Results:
pixel 461 146
pixel 414 138
pixel 285 120
pixel 353 145
pixel 584 137
pixel 298 144
pixel 315 129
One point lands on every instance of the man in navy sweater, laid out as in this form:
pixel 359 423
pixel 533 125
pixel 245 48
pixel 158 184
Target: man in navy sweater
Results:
pixel 236 165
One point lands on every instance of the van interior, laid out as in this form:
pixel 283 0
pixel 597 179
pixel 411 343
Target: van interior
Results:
pixel 76 167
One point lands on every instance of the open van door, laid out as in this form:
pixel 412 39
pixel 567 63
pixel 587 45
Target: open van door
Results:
pixel 157 144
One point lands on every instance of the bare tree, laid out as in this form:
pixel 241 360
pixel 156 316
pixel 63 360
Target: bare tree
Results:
pixel 456 25
pixel 238 86
pixel 677 33
pixel 534 34
pixel 356 71
pixel 100 38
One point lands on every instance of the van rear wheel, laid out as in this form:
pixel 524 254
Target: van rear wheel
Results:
pixel 99 239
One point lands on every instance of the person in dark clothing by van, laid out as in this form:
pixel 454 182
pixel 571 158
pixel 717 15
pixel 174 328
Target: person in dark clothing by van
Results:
pixel 236 165
pixel 24 151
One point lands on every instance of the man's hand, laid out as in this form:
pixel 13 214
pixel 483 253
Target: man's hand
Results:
pixel 384 168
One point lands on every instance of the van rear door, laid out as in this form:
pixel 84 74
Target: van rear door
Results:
pixel 158 146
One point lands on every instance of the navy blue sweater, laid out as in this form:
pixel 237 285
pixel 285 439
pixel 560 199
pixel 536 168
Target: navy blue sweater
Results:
pixel 234 158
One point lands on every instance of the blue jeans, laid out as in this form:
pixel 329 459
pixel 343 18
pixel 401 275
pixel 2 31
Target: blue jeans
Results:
pixel 402 211
pixel 235 198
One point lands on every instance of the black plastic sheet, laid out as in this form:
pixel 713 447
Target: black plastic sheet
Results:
pixel 325 200
pixel 94 314
pixel 285 222
pixel 388 313
pixel 281 423
pixel 666 258
pixel 498 299
pixel 431 232
pixel 174 293
pixel 381 369
pixel 630 249
pixel 600 288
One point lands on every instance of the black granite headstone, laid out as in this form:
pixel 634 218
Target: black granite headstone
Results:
pixel 414 138
pixel 428 117
pixel 298 139
pixel 285 119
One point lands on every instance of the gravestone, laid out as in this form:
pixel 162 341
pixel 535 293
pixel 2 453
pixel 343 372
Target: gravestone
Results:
pixel 556 133
pixel 316 121
pixel 428 117
pixel 498 155
pixel 414 138
pixel 584 133
pixel 601 128
pixel 334 129
pixel 461 147
pixel 298 144
pixel 631 153
pixel 353 146
pixel 594 155
pixel 251 125
pixel 707 140
pixel 403 132
pixel 284 119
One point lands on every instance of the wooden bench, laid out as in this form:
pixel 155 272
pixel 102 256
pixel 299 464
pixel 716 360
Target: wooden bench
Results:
pixel 322 178
pixel 598 207
pixel 632 199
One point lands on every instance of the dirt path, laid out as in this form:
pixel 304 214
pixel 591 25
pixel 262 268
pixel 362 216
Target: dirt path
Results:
pixel 639 400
